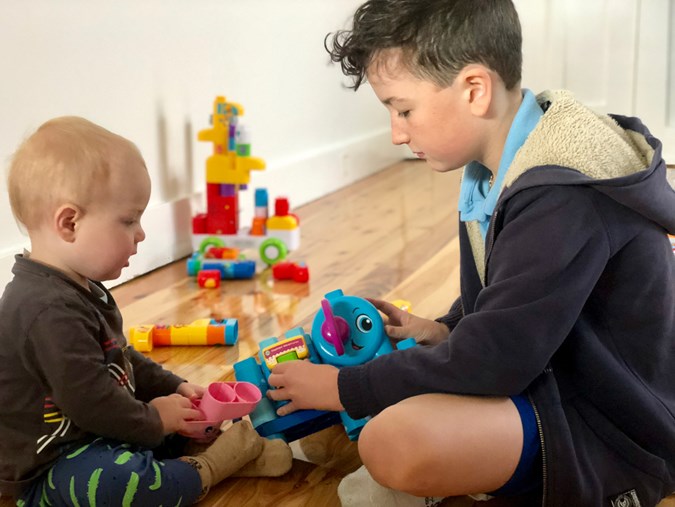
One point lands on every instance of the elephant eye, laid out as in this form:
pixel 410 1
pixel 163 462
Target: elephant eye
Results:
pixel 364 324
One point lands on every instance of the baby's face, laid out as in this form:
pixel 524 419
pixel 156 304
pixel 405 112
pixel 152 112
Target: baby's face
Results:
pixel 110 230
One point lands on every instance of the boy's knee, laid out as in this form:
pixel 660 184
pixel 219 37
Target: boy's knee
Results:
pixel 387 449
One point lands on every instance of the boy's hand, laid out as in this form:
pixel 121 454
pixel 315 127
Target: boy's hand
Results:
pixel 190 391
pixel 401 324
pixel 174 411
pixel 305 385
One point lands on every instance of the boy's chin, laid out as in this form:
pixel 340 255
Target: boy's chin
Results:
pixel 440 167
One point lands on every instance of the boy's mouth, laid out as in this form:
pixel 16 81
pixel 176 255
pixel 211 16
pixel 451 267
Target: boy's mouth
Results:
pixel 420 154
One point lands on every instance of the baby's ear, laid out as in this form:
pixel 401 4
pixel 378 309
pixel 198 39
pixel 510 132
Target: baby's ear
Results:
pixel 65 221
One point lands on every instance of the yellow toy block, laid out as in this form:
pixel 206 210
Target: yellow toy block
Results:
pixel 288 223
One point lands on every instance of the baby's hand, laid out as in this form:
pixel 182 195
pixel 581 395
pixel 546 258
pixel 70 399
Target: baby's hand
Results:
pixel 174 411
pixel 190 391
pixel 401 325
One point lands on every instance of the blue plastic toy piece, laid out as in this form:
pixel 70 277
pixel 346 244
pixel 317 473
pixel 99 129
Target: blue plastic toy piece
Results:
pixel 229 269
pixel 347 331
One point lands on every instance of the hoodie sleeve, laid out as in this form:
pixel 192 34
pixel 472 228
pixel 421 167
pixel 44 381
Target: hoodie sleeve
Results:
pixel 544 264
pixel 454 315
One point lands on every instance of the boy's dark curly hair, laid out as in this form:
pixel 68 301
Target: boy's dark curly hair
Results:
pixel 437 38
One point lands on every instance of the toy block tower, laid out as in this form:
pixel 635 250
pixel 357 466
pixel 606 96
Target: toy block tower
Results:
pixel 227 170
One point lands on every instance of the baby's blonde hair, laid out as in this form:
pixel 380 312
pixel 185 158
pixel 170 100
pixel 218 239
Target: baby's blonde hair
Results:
pixel 67 159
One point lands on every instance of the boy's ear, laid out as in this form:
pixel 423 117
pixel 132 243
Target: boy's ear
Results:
pixel 477 90
pixel 65 221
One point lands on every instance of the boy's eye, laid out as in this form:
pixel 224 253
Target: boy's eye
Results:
pixel 404 114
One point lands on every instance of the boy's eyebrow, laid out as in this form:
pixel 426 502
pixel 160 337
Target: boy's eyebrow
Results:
pixel 390 100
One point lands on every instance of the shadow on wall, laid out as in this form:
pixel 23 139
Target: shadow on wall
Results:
pixel 173 184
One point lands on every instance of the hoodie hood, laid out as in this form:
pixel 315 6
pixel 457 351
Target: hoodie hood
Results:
pixel 616 155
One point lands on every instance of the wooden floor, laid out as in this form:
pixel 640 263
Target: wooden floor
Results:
pixel 392 235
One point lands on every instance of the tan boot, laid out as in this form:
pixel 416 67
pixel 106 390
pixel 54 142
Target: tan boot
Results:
pixel 234 448
pixel 275 459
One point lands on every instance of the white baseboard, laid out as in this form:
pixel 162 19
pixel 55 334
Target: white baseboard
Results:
pixel 302 179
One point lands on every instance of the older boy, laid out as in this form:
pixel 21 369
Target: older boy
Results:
pixel 553 372
pixel 83 415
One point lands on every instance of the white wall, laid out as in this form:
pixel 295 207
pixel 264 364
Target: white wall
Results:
pixel 150 70
pixel 615 55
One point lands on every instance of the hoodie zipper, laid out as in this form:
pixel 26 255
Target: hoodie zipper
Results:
pixel 490 240
pixel 544 468
pixel 540 430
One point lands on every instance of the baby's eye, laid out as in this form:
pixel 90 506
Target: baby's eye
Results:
pixel 404 114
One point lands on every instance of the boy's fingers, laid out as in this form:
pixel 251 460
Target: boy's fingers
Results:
pixel 286 409
pixel 274 379
pixel 385 307
pixel 276 394
pixel 396 331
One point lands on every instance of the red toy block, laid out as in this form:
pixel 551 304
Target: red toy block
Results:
pixel 281 206
pixel 298 272
pixel 199 223
pixel 208 278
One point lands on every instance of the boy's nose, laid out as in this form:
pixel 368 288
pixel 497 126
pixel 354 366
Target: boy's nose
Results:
pixel 398 136
pixel 140 235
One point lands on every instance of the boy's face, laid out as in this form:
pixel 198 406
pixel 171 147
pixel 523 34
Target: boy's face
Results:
pixel 436 123
pixel 109 231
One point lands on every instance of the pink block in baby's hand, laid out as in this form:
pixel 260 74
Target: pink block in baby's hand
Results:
pixel 223 401
pixel 229 400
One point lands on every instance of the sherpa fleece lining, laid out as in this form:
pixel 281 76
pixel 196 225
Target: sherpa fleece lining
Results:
pixel 571 135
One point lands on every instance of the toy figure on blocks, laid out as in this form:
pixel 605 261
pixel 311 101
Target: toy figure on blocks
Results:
pixel 228 170
pixel 347 331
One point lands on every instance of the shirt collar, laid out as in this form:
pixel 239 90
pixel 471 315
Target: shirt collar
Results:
pixel 477 200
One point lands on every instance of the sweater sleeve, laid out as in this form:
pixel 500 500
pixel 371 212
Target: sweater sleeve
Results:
pixel 152 380
pixel 62 348
pixel 544 264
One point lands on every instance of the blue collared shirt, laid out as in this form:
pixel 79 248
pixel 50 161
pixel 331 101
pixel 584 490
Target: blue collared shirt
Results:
pixel 477 200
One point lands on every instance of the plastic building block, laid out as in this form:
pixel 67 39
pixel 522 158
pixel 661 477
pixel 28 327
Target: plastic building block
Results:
pixel 403 304
pixel 348 330
pixel 228 269
pixel 209 278
pixel 296 271
pixel 221 252
pixel 222 401
pixel 258 226
pixel 200 332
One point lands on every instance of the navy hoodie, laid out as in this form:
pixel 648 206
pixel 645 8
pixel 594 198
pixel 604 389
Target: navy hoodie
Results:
pixel 571 300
